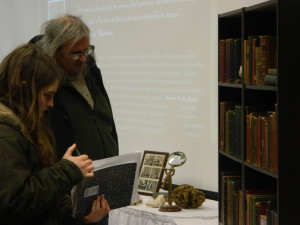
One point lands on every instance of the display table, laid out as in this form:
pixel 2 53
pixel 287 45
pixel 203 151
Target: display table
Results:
pixel 140 214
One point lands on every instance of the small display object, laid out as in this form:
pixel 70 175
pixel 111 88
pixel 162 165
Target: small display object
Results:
pixel 151 172
pixel 176 159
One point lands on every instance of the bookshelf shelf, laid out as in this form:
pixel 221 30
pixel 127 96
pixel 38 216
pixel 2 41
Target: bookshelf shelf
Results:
pixel 261 170
pixel 230 85
pixel 230 157
pixel 259 124
pixel 266 88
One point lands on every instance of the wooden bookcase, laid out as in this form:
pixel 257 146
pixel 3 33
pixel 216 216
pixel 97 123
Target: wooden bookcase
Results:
pixel 279 18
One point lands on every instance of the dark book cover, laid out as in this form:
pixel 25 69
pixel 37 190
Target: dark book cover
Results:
pixel 222 63
pixel 248 138
pixel 237 59
pixel 229 60
pixel 236 206
pixel 255 55
pixel 260 210
pixel 270 211
pixel 229 131
pixel 223 107
pixel 253 129
pixel 273 141
pixel 270 80
pixel 264 140
pixel 225 178
pixel 245 61
pixel 248 198
pixel 251 58
pixel 116 180
pixel 267 57
pixel 258 49
pixel 233 186
pixel 253 199
pixel 258 138
pixel 238 131
pixel 247 111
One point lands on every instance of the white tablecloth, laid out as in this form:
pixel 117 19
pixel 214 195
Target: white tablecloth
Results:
pixel 140 214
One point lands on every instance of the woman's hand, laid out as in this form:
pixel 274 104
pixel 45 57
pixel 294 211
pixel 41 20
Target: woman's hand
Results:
pixel 99 210
pixel 83 162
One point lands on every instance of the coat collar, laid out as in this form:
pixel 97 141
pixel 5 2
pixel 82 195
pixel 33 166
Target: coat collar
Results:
pixel 8 117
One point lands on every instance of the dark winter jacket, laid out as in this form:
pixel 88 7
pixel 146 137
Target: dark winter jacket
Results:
pixel 29 192
pixel 74 121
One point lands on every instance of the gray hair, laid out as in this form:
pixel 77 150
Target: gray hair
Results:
pixel 56 32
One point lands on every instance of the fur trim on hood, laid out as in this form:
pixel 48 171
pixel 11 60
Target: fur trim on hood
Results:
pixel 8 117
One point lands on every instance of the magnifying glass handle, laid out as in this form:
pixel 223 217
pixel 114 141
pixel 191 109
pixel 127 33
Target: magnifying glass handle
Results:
pixel 167 177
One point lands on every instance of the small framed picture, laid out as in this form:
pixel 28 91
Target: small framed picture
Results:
pixel 152 171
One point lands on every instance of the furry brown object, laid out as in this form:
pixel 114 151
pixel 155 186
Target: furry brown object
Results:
pixel 188 197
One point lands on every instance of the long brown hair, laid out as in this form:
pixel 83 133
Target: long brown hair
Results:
pixel 23 73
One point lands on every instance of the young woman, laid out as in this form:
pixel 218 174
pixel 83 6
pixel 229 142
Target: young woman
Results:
pixel 33 188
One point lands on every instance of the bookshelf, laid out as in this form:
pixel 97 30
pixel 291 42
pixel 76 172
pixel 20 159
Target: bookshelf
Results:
pixel 261 147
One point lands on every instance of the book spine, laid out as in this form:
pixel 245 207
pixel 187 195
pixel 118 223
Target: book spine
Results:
pixel 229 135
pixel 237 131
pixel 245 61
pixel 237 59
pixel 222 65
pixel 223 108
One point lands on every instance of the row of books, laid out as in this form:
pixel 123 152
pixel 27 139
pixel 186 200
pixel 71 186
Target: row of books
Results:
pixel 259 205
pixel 261 140
pixel 230 129
pixel 259 60
pixel 230 59
pixel 260 134
pixel 259 56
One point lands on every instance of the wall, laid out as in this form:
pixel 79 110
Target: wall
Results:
pixel 159 64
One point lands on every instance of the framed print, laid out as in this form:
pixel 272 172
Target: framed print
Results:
pixel 152 171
